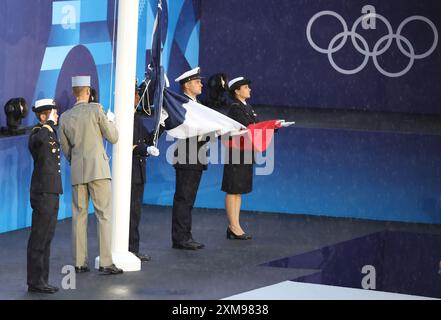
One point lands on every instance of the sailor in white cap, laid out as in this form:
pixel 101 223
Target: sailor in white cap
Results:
pixel 46 188
pixel 188 173
pixel 193 74
pixel 82 130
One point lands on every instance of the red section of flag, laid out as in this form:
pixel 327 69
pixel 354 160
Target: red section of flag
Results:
pixel 258 137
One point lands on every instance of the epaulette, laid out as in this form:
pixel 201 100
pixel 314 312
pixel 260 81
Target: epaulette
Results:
pixel 48 127
pixel 35 129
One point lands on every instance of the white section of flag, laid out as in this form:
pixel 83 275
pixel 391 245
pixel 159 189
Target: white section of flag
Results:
pixel 201 120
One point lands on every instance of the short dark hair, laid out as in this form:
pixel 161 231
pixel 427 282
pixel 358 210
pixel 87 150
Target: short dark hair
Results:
pixel 232 93
pixel 77 90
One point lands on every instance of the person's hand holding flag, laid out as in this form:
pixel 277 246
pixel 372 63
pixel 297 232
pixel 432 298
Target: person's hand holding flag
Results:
pixel 284 124
pixel 153 151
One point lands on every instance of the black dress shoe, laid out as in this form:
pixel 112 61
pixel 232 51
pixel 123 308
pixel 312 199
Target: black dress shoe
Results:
pixel 185 245
pixel 110 270
pixel 197 244
pixel 232 236
pixel 42 289
pixel 82 269
pixel 143 257
pixel 53 287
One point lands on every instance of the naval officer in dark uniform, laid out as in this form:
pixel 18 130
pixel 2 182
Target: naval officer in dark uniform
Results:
pixel 46 188
pixel 238 175
pixel 189 168
pixel 142 148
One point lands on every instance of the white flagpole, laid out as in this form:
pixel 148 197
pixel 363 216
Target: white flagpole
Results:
pixel 125 75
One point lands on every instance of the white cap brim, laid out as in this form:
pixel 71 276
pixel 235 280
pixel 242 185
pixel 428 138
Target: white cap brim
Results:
pixel 44 104
pixel 194 72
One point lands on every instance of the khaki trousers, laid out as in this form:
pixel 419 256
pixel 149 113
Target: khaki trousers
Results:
pixel 101 193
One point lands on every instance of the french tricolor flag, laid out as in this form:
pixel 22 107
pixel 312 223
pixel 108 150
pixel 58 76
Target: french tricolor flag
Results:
pixel 188 118
pixel 185 118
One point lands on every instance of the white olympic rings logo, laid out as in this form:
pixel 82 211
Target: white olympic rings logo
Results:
pixel 376 51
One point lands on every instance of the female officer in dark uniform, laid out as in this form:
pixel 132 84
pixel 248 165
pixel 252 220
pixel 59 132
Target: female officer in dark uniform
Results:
pixel 238 175
pixel 46 188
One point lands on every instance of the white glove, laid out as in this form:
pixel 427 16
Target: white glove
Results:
pixel 110 116
pixel 287 124
pixel 52 116
pixel 163 117
pixel 153 151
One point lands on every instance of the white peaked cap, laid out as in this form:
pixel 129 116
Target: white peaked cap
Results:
pixel 44 104
pixel 81 81
pixel 189 75
pixel 235 80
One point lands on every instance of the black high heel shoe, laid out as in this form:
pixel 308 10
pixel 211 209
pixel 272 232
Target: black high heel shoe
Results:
pixel 232 236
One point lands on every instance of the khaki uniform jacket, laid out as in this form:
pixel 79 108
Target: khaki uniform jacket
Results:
pixel 82 129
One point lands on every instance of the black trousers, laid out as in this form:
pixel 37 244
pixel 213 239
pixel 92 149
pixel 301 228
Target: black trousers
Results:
pixel 187 184
pixel 44 220
pixel 135 215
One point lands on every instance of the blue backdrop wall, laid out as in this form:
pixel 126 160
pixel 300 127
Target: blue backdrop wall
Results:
pixel 340 173
pixel 268 42
pixel 44 43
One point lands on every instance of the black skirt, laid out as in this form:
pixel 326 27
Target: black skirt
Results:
pixel 237 178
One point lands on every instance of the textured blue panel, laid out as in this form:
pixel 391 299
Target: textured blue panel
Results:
pixel 177 66
pixel 15 178
pixel 64 37
pixel 48 79
pixel 106 92
pixel 94 32
pixel 185 25
pixel 54 57
pixel 192 50
pixel 101 52
pixel 93 10
pixel 174 10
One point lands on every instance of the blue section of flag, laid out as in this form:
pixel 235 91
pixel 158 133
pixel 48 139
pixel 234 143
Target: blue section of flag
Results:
pixel 155 72
pixel 173 104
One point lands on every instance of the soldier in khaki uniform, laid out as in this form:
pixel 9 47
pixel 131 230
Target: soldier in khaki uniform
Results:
pixel 82 129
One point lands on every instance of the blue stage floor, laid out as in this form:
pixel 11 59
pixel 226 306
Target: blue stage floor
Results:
pixel 285 249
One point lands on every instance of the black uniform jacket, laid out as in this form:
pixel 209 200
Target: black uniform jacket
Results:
pixel 187 151
pixel 45 149
pixel 142 138
pixel 242 113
